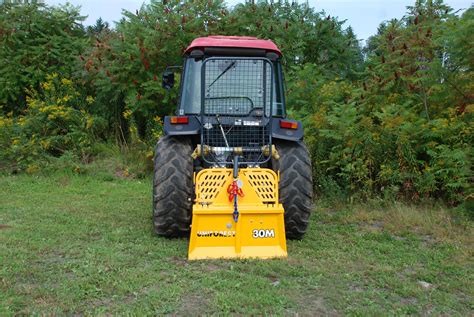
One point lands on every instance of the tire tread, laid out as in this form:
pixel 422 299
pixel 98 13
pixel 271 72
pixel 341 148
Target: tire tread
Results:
pixel 296 186
pixel 172 187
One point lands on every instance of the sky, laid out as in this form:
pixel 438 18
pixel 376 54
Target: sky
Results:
pixel 363 15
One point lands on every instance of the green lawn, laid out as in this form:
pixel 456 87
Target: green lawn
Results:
pixel 84 245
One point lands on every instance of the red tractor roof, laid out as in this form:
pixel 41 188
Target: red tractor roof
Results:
pixel 233 41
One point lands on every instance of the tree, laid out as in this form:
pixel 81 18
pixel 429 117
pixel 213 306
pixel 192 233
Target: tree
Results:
pixel 36 40
pixel 125 66
pixel 303 35
pixel 99 26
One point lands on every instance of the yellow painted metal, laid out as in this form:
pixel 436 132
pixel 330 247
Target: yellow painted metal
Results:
pixel 260 229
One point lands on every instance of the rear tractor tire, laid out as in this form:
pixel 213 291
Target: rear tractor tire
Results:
pixel 296 186
pixel 172 186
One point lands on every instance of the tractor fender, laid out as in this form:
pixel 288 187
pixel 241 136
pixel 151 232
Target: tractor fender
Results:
pixel 193 127
pixel 287 134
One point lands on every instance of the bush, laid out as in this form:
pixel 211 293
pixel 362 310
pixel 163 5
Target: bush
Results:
pixel 392 152
pixel 36 40
pixel 55 122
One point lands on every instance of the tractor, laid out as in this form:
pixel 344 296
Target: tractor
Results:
pixel 231 171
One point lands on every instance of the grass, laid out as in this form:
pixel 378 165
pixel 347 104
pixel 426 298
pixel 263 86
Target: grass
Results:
pixel 84 245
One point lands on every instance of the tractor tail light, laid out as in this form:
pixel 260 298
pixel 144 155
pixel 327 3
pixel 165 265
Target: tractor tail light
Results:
pixel 288 125
pixel 179 120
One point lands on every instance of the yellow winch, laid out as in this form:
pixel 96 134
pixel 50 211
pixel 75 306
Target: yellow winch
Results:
pixel 237 217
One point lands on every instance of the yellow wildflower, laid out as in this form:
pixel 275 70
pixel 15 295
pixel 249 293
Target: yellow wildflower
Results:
pixel 90 100
pixel 21 121
pixel 158 119
pixel 126 173
pixel 4 121
pixel 66 82
pixel 32 168
pixel 46 86
pixel 45 144
pixel 90 122
pixel 127 114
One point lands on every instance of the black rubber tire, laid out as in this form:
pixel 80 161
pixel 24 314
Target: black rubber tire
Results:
pixel 172 186
pixel 296 186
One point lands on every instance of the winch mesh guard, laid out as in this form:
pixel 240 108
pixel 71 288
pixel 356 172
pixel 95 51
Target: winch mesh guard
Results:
pixel 236 110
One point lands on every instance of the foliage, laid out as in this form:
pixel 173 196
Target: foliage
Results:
pixel 36 40
pixel 55 122
pixel 303 35
pixel 100 26
pixel 124 65
pixel 403 130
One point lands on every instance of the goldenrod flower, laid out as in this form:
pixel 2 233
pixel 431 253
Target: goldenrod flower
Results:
pixel 90 100
pixel 90 122
pixel 66 82
pixel 127 114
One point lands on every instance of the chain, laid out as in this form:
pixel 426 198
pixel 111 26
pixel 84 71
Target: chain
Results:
pixel 234 191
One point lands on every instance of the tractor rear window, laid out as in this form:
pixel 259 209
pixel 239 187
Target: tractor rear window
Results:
pixel 233 87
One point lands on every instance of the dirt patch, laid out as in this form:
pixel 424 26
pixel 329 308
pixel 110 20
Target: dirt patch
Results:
pixel 408 301
pixel 204 266
pixel 372 226
pixel 398 238
pixel 428 240
pixel 377 225
pixel 26 287
pixel 194 304
pixel 410 271
pixel 112 302
pixel 212 267
pixel 178 261
pixel 51 258
pixel 310 303
pixel 4 227
pixel 274 280
pixel 357 288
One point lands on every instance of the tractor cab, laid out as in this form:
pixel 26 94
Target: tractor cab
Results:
pixel 241 165
pixel 249 72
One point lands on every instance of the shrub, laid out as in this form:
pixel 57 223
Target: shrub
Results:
pixel 36 40
pixel 55 122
